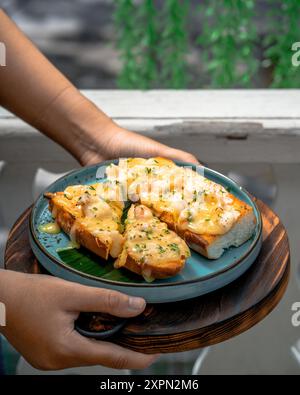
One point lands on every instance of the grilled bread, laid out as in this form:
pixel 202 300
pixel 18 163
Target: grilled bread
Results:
pixel 88 219
pixel 208 217
pixel 150 248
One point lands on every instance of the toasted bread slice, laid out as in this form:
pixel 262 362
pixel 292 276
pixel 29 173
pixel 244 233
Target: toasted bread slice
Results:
pixel 150 248
pixel 209 245
pixel 204 213
pixel 88 219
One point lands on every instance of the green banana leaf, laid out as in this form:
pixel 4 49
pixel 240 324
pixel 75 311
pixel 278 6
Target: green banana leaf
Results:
pixel 89 263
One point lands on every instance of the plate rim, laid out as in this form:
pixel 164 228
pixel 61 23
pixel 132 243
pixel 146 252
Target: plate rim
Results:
pixel 147 285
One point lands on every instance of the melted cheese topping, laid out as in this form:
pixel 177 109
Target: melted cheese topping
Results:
pixel 148 240
pixel 195 202
pixel 100 217
pixel 50 228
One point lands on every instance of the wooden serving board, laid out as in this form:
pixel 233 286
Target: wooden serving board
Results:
pixel 198 322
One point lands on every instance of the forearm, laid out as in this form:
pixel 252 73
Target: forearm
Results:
pixel 45 98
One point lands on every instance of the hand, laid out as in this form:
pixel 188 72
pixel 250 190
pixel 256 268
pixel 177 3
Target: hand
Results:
pixel 41 311
pixel 120 143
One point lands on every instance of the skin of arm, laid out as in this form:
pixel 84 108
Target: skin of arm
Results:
pixel 41 310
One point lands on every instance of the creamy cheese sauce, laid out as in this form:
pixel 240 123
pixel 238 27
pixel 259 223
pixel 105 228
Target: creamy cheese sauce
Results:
pixel 148 240
pixel 101 218
pixel 51 228
pixel 195 202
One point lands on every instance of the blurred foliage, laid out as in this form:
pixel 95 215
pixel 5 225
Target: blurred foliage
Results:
pixel 128 40
pixel 152 43
pixel 149 44
pixel 138 43
pixel 154 38
pixel 174 44
pixel 228 38
pixel 284 30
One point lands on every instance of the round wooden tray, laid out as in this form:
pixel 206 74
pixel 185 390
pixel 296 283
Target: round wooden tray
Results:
pixel 198 322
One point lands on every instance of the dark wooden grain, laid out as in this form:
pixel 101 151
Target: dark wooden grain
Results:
pixel 198 322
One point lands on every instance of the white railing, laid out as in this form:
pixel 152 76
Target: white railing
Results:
pixel 253 135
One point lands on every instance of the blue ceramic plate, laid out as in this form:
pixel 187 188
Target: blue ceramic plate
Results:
pixel 200 275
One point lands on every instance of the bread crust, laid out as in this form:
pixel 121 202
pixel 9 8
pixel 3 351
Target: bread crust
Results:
pixel 153 270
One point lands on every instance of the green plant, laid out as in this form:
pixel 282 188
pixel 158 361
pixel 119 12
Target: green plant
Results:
pixel 149 42
pixel 284 30
pixel 127 43
pixel 153 40
pixel 152 48
pixel 228 39
pixel 137 41
pixel 174 45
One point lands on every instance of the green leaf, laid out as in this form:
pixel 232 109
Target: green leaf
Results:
pixel 88 263
pixel 127 206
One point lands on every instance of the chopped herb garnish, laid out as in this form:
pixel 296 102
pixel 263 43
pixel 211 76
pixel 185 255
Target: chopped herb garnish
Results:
pixel 140 247
pixel 189 216
pixel 67 196
pixel 174 247
pixel 194 196
pixel 161 250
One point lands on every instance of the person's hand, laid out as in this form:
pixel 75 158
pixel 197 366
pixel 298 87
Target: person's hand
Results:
pixel 41 311
pixel 120 143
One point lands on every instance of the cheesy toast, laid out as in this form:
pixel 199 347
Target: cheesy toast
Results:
pixel 150 248
pixel 207 216
pixel 172 208
pixel 89 219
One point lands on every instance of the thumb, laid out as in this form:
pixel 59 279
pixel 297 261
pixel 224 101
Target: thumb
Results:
pixel 90 299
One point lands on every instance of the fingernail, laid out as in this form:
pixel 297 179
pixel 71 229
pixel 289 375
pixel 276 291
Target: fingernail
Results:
pixel 136 304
